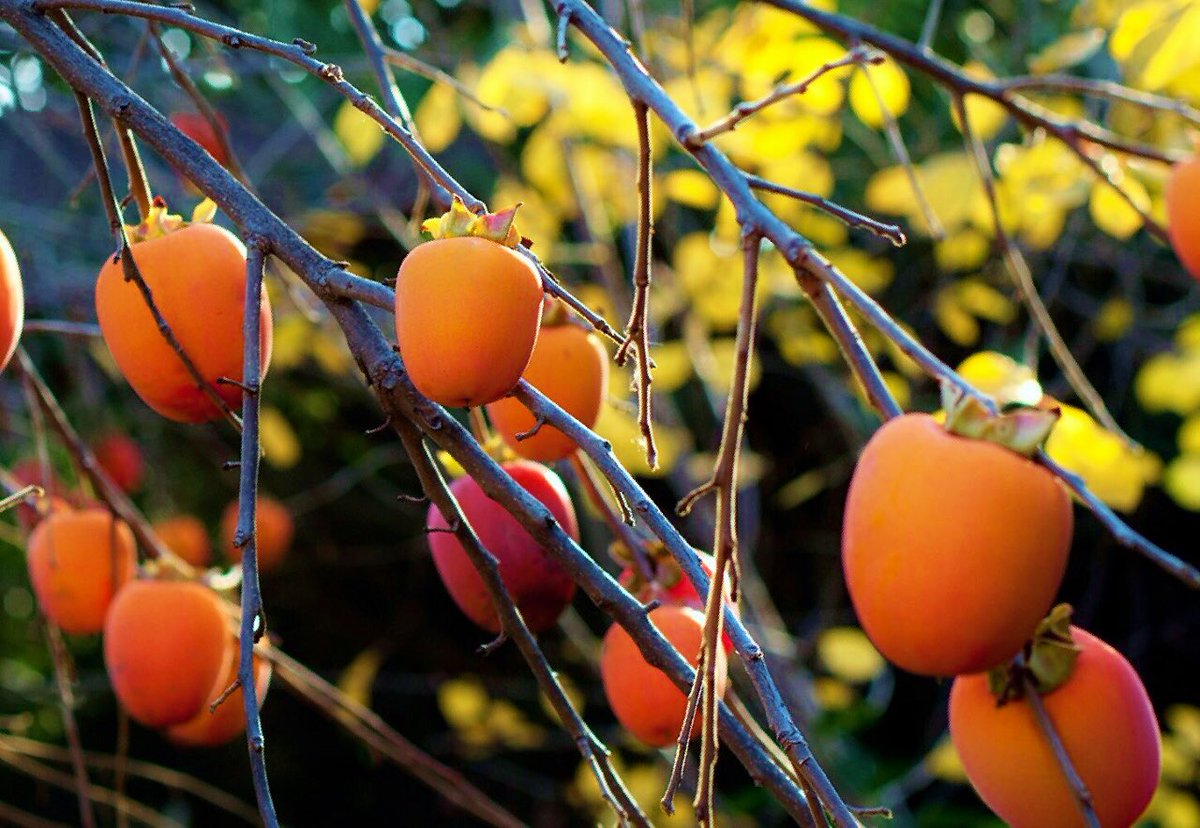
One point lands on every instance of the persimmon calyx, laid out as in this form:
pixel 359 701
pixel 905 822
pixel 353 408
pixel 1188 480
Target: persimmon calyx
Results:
pixel 1048 660
pixel 1017 427
pixel 459 222
pixel 160 221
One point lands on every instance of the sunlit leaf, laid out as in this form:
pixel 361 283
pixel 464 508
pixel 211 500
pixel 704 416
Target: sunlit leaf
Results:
pixel 847 653
pixel 1069 50
pixel 281 447
pixel 890 87
pixel 437 117
pixel 360 136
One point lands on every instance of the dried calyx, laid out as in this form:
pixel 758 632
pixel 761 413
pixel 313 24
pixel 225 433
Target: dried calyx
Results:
pixel 160 221
pixel 1017 427
pixel 458 222
pixel 1047 661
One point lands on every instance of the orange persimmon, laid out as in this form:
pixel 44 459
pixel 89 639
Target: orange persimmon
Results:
pixel 1105 721
pixel 274 530
pixel 953 548
pixel 121 460
pixel 77 561
pixel 197 275
pixel 211 728
pixel 644 700
pixel 468 309
pixel 12 302
pixel 186 536
pixel 1183 212
pixel 671 586
pixel 166 644
pixel 570 366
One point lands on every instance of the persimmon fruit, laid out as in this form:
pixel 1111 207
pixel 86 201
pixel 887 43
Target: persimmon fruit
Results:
pixel 12 302
pixel 186 536
pixel 78 560
pixel 1105 721
pixel 644 700
pixel 952 548
pixel 197 276
pixel 274 530
pixel 210 728
pixel 1183 212
pixel 468 310
pixel 537 583
pixel 166 644
pixel 121 460
pixel 197 127
pixel 570 366
pixel 673 587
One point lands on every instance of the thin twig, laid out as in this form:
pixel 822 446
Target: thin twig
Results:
pixel 61 327
pixel 433 73
pixel 892 232
pixel 1102 89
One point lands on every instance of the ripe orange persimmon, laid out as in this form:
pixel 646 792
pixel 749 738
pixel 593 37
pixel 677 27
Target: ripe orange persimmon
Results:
pixel 953 548
pixel 570 366
pixel 209 729
pixel 196 126
pixel 166 644
pixel 274 530
pixel 1105 721
pixel 12 302
pixel 186 536
pixel 121 460
pixel 77 561
pixel 673 587
pixel 1183 212
pixel 644 700
pixel 538 585
pixel 468 311
pixel 197 275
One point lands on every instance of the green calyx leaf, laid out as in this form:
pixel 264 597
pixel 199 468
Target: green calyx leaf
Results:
pixel 1019 428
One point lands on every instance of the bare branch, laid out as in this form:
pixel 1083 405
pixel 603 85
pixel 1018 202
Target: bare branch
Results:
pixel 892 232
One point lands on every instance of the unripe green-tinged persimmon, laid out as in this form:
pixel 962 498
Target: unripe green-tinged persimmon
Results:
pixel 273 533
pixel 186 536
pixel 673 587
pixel 210 728
pixel 570 366
pixel 12 302
pixel 78 560
pixel 121 460
pixel 468 311
pixel 644 700
pixel 537 583
pixel 1183 212
pixel 197 276
pixel 1105 721
pixel 953 548
pixel 166 644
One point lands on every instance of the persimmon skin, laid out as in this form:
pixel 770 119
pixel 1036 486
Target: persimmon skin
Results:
pixel 684 593
pixel 12 302
pixel 468 311
pixel 274 531
pixel 537 583
pixel 211 729
pixel 644 700
pixel 197 276
pixel 121 460
pixel 1183 213
pixel 78 560
pixel 1106 723
pixel 186 536
pixel 196 126
pixel 165 645
pixel 953 549
pixel 570 366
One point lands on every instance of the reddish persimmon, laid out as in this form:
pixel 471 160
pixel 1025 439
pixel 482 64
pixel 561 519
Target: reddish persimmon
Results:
pixel 1105 720
pixel 186 536
pixel 680 591
pixel 1183 213
pixel 77 562
pixel 953 548
pixel 209 729
pixel 197 276
pixel 538 585
pixel 467 316
pixel 274 529
pixel 570 366
pixel 644 700
pixel 121 460
pixel 197 127
pixel 12 302
pixel 166 644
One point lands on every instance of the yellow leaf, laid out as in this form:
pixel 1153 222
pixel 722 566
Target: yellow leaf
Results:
pixel 871 273
pixel 1113 320
pixel 1112 213
pixel 464 701
pixel 985 115
pixel 1116 473
pixel 717 373
pixel 691 188
pixel 1002 378
pixel 1169 382
pixel 438 119
pixel 1069 50
pixel 360 136
pixel 1181 480
pixel 280 445
pixel 1177 765
pixel 1173 808
pixel 1183 720
pixel 673 365
pixel 358 678
pixel 950 183
pixel 889 91
pixel 619 426
pixel 847 653
pixel 965 249
pixel 833 694
pixel 944 763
